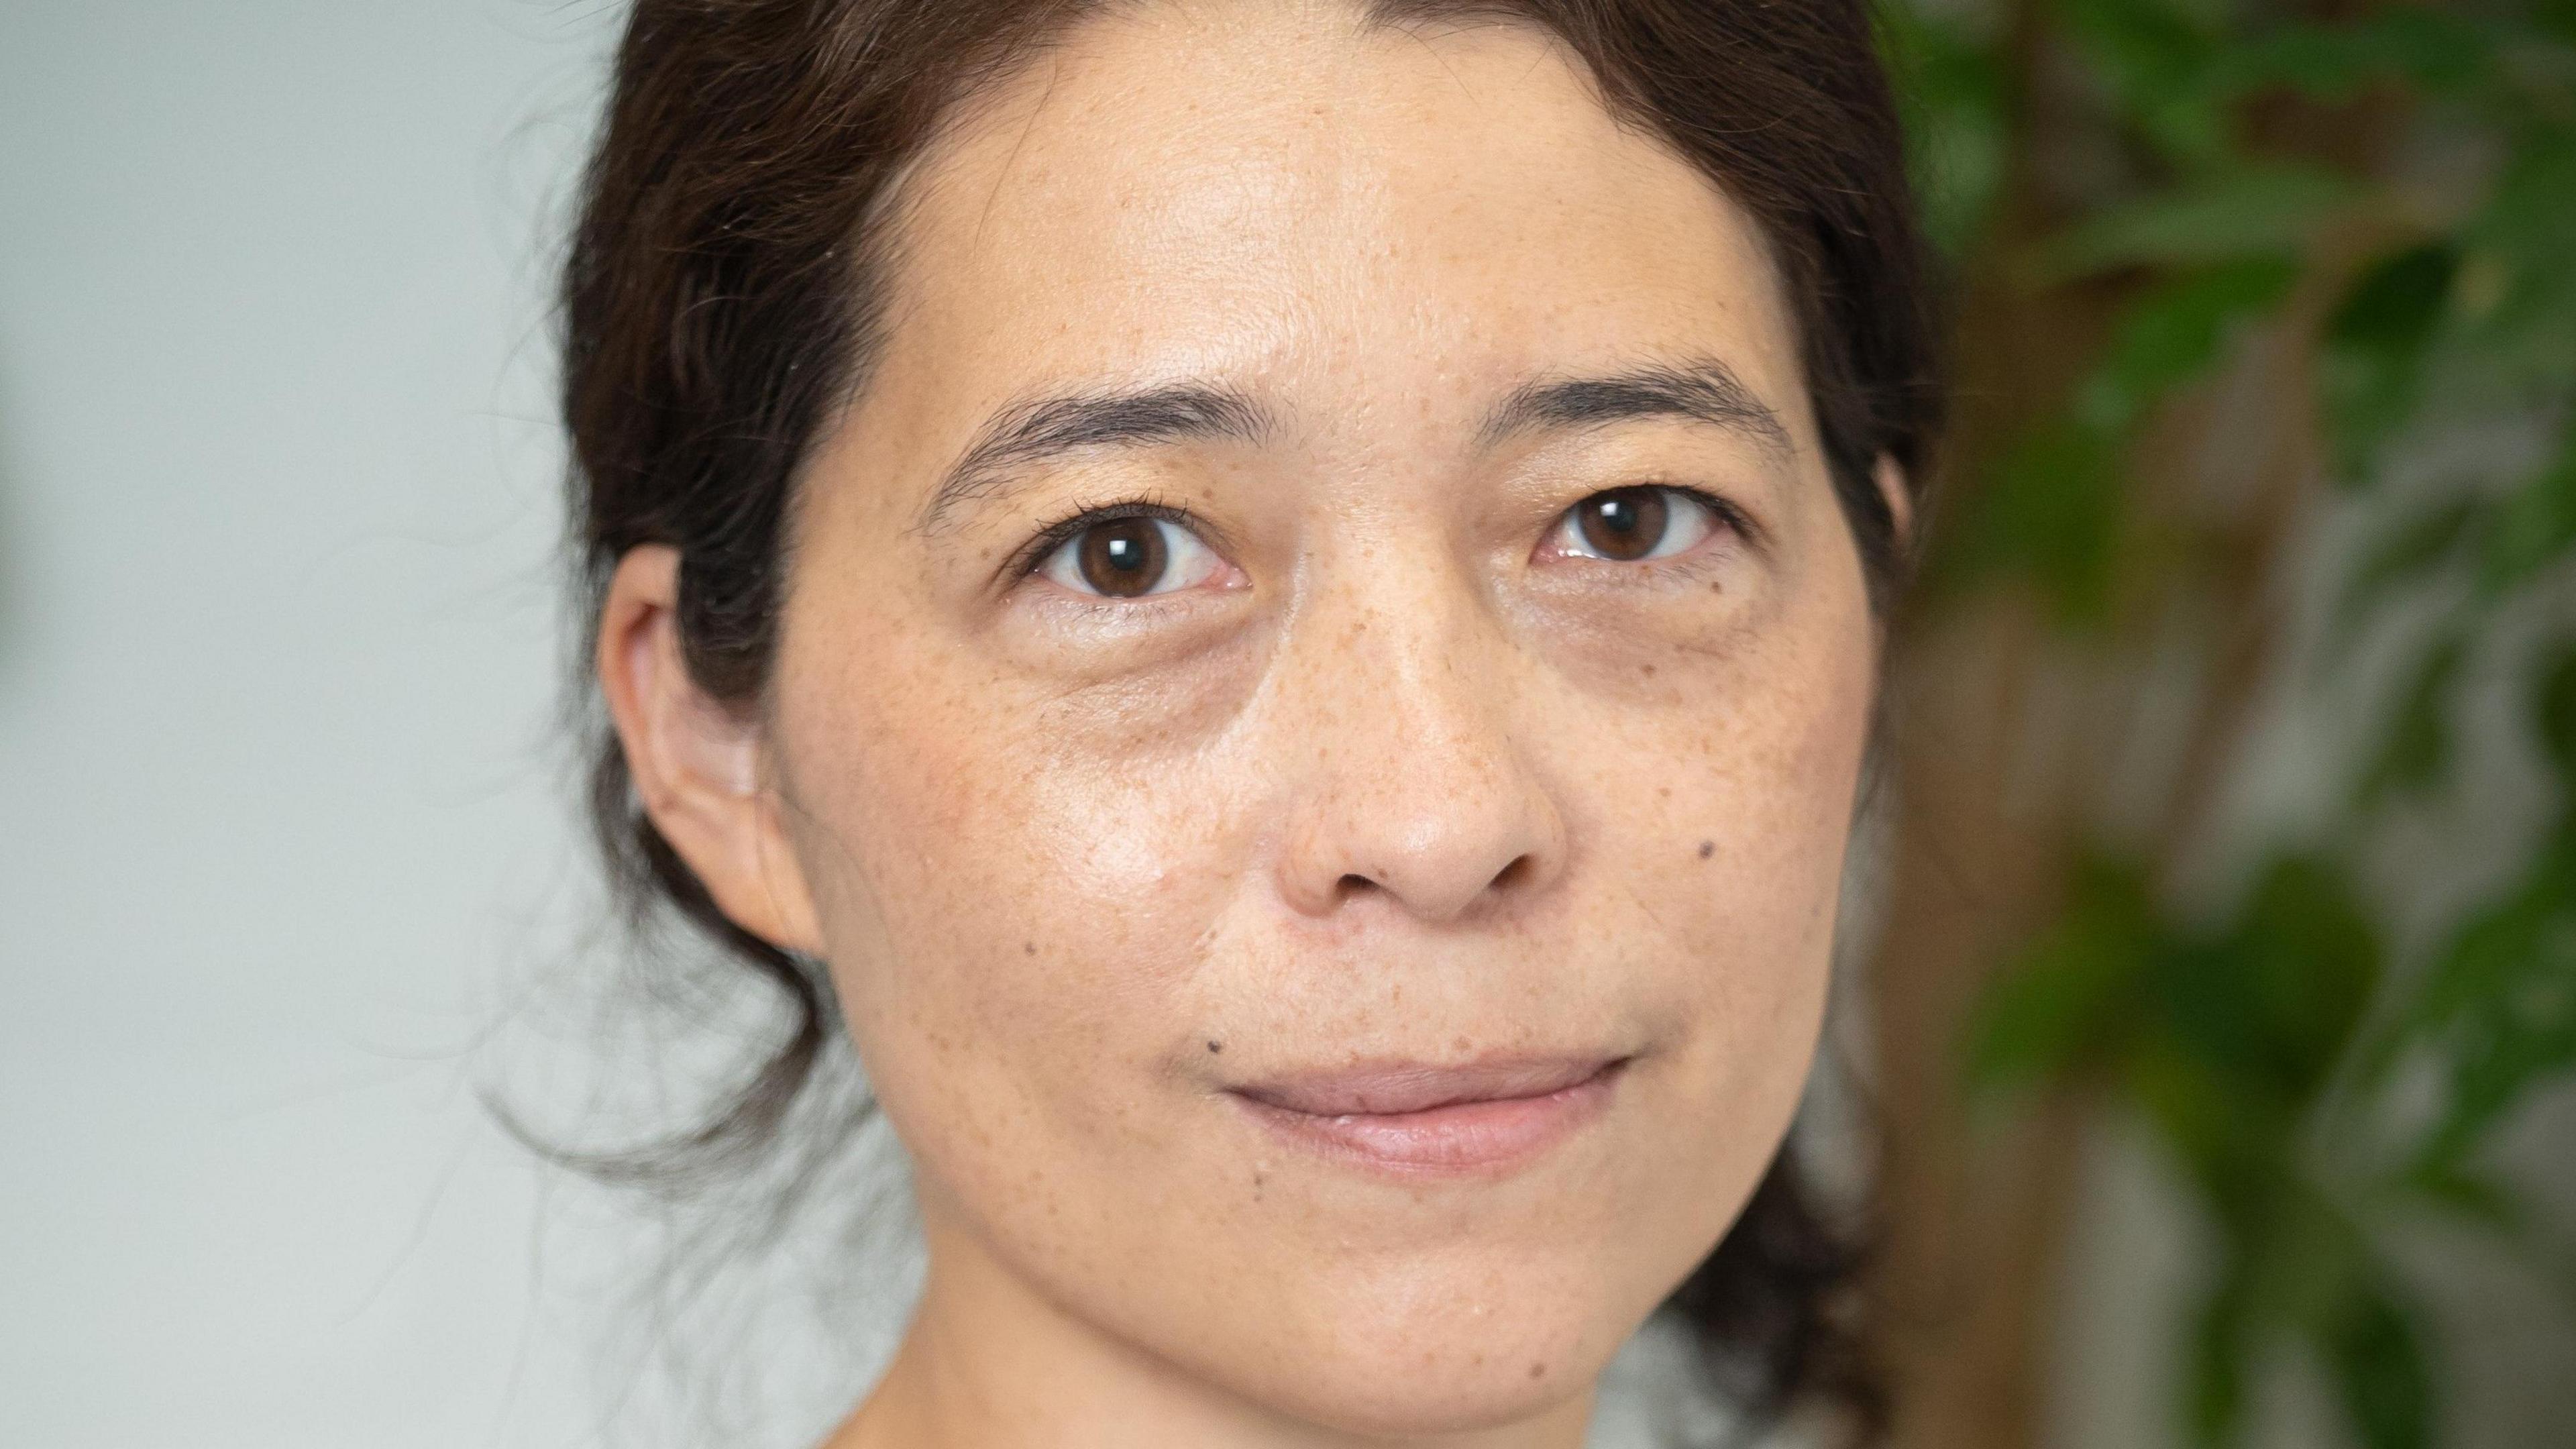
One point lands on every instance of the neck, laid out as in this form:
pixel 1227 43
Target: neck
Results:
pixel 990 1363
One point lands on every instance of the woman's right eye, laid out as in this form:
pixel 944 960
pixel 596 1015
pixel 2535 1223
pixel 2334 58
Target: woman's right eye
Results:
pixel 1130 557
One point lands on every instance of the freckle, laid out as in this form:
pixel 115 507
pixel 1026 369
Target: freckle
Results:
pixel 1028 948
pixel 1538 1370
pixel 1707 848
pixel 1650 671
pixel 1460 1044
pixel 1216 1046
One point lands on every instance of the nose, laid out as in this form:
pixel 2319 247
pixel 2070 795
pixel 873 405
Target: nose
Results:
pixel 1407 781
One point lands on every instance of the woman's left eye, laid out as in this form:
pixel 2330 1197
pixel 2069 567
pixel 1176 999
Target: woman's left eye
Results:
pixel 1129 556
pixel 1634 525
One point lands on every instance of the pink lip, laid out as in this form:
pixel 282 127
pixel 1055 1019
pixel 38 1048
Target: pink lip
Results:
pixel 1412 1119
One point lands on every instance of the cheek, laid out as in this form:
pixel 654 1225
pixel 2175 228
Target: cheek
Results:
pixel 1739 854
pixel 1007 915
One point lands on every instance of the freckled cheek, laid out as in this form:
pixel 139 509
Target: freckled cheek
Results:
pixel 1741 843
pixel 1040 904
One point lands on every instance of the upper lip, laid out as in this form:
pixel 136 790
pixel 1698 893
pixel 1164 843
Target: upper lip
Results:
pixel 1388 1088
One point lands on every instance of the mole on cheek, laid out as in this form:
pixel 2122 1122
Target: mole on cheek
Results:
pixel 1216 1046
pixel 1707 848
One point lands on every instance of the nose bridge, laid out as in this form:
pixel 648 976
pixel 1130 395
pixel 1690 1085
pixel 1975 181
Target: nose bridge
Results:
pixel 1410 780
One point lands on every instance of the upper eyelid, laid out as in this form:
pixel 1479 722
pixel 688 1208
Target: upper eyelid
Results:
pixel 1047 540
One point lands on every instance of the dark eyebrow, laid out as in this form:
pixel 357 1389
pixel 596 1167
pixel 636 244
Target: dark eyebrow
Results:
pixel 1041 428
pixel 1703 389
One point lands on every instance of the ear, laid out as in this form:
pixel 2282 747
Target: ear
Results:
pixel 1889 475
pixel 698 766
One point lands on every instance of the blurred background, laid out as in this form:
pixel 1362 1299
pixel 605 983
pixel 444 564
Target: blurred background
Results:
pixel 2216 991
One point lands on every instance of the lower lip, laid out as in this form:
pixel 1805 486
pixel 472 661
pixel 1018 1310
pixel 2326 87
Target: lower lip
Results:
pixel 1483 1138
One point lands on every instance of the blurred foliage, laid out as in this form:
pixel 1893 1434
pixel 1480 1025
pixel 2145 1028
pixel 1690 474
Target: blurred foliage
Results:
pixel 2390 191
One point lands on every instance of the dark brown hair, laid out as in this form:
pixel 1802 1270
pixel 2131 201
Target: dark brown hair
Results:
pixel 721 301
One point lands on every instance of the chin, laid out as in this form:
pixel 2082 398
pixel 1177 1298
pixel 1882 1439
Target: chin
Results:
pixel 1473 1343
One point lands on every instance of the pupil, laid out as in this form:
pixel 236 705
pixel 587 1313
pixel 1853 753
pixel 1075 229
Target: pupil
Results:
pixel 1626 524
pixel 1123 558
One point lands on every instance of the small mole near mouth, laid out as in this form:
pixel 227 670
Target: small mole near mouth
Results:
pixel 1216 1046
pixel 1707 848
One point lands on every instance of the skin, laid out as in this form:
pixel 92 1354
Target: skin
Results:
pixel 1395 771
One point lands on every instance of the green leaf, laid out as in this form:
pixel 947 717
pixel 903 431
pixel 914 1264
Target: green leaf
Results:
pixel 2441 53
pixel 2275 1002
pixel 2466 1194
pixel 2377 1357
pixel 1957 119
pixel 2222 1340
pixel 2371 363
pixel 2536 527
pixel 2499 1005
pixel 2228 1135
pixel 2155 56
pixel 2416 750
pixel 2063 1000
pixel 2048 513
pixel 2175 333
pixel 2244 213
pixel 2554 710
pixel 2519 244
pixel 2417 545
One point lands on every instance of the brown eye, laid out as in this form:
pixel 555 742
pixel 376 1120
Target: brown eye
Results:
pixel 1123 557
pixel 1130 556
pixel 1625 523
pixel 1636 524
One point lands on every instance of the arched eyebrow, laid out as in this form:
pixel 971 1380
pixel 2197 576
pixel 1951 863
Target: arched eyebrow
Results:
pixel 1701 389
pixel 1037 429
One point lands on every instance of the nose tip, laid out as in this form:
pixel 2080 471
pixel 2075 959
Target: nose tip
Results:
pixel 1431 890
pixel 1422 800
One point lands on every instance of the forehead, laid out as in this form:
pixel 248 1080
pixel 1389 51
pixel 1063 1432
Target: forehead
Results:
pixel 1383 225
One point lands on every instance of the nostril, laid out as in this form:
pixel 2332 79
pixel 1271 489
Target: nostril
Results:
pixel 1512 873
pixel 1354 883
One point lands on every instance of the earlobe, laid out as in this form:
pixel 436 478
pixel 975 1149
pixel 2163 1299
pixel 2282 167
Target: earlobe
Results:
pixel 1895 488
pixel 695 762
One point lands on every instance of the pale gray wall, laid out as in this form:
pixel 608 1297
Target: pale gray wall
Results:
pixel 277 498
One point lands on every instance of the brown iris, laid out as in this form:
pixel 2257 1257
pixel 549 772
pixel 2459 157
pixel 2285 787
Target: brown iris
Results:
pixel 1625 523
pixel 1123 557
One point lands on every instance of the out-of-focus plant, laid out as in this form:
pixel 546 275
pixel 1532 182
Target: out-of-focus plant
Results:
pixel 2376 205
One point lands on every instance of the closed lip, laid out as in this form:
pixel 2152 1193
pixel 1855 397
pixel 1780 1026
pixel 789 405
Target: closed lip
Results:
pixel 1411 1119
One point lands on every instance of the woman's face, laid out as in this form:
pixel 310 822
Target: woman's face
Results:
pixel 1354 925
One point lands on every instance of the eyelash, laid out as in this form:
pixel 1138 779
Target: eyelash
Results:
pixel 1034 554
pixel 1038 550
